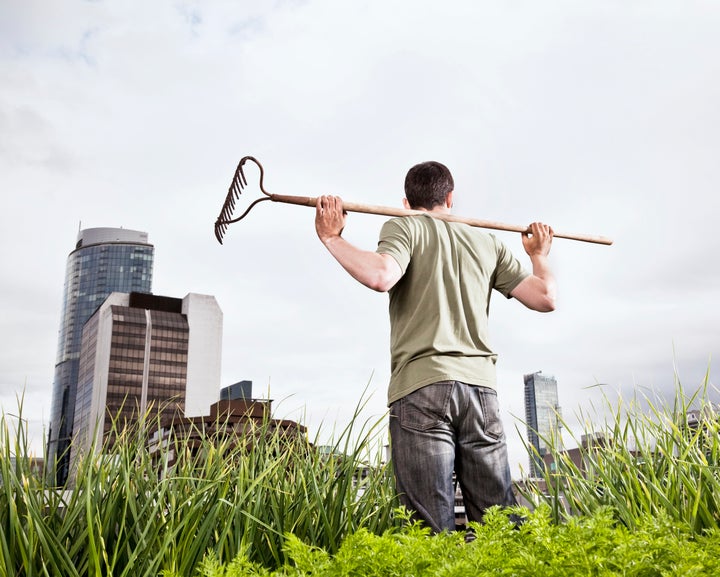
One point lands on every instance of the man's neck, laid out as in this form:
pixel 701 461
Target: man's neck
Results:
pixel 437 209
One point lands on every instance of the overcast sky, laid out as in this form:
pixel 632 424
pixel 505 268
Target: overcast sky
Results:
pixel 597 117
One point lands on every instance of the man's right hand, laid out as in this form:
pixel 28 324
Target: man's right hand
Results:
pixel 537 240
pixel 537 291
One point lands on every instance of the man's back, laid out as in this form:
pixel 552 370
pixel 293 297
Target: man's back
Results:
pixel 439 308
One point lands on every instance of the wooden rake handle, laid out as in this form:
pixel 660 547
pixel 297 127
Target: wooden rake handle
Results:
pixel 391 211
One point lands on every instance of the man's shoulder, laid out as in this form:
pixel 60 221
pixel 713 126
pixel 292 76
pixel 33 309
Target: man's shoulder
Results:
pixel 474 234
pixel 412 225
pixel 405 223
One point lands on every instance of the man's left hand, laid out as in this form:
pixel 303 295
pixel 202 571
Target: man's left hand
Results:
pixel 329 217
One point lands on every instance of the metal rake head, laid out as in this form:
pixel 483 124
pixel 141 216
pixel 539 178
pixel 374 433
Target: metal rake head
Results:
pixel 239 182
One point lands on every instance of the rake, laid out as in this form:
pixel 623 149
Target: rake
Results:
pixel 239 182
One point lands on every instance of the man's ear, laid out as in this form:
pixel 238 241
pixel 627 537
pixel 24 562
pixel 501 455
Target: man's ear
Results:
pixel 406 204
pixel 449 199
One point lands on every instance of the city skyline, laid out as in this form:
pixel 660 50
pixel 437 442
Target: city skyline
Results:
pixel 596 117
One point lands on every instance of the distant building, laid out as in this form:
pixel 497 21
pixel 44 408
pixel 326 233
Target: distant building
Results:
pixel 231 420
pixel 239 390
pixel 104 260
pixel 141 353
pixel 702 417
pixel 542 413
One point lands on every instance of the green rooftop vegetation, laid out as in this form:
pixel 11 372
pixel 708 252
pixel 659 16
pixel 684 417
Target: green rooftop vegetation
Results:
pixel 644 501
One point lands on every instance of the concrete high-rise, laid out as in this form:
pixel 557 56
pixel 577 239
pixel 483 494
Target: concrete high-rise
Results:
pixel 542 413
pixel 105 260
pixel 144 354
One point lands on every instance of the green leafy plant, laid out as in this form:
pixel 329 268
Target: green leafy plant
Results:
pixel 591 545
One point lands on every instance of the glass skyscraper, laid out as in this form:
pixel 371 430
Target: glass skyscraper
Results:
pixel 105 260
pixel 542 413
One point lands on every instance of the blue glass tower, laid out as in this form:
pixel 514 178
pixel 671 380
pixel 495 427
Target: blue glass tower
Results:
pixel 105 260
pixel 542 414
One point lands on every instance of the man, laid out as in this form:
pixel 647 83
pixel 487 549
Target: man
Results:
pixel 444 414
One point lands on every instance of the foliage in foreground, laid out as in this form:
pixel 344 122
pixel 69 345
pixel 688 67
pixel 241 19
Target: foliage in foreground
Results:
pixel 650 458
pixel 594 545
pixel 646 501
pixel 130 513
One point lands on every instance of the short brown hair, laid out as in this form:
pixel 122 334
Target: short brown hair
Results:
pixel 427 185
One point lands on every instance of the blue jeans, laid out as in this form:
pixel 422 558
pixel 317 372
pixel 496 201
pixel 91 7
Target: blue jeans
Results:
pixel 445 427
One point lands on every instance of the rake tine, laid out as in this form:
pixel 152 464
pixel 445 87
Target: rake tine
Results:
pixel 238 184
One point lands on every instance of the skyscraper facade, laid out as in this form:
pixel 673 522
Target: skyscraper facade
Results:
pixel 143 354
pixel 542 412
pixel 104 260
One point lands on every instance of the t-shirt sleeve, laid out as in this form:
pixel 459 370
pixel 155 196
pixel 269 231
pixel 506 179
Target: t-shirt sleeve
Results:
pixel 509 272
pixel 395 241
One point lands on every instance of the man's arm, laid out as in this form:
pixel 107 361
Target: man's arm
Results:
pixel 538 290
pixel 377 271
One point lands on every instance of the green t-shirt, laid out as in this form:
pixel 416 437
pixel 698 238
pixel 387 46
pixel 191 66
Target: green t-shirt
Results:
pixel 439 308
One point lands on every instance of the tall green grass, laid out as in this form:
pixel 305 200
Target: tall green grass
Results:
pixel 130 513
pixel 647 460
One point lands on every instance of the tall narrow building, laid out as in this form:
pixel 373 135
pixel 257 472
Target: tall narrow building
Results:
pixel 105 260
pixel 542 413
